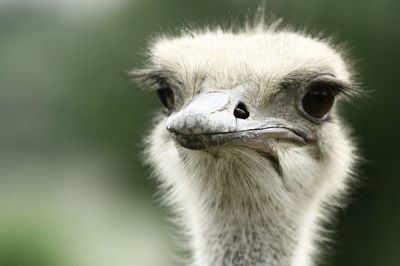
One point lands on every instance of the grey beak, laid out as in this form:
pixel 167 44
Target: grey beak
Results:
pixel 209 120
pixel 208 113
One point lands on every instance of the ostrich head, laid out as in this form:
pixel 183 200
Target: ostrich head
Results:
pixel 250 145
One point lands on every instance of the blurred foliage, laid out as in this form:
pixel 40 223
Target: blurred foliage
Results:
pixel 22 243
pixel 63 93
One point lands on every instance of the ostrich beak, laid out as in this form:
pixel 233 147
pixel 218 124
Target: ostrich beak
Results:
pixel 209 120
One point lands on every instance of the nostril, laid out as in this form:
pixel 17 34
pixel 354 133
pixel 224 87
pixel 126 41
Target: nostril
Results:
pixel 241 111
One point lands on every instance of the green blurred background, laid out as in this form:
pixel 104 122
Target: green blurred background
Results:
pixel 73 190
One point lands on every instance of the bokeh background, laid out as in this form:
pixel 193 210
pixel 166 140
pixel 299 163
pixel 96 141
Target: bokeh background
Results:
pixel 73 189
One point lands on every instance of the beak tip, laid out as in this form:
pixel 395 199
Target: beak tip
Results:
pixel 171 124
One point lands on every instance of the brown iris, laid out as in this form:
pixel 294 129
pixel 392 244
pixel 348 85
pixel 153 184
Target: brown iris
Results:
pixel 318 100
pixel 166 95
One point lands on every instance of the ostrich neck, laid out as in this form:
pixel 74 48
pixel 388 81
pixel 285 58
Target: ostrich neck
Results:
pixel 239 221
pixel 247 244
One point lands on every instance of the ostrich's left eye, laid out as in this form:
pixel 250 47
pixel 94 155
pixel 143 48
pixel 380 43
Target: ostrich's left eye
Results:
pixel 318 100
pixel 166 95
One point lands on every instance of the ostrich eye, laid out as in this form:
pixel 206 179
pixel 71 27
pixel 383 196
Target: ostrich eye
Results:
pixel 166 95
pixel 318 100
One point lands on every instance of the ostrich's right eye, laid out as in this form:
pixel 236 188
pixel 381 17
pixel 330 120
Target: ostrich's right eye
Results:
pixel 318 101
pixel 166 95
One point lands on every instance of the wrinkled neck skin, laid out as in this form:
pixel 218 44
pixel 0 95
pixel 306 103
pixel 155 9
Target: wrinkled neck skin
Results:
pixel 239 210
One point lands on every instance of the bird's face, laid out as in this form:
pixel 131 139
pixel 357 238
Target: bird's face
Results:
pixel 216 117
pixel 263 91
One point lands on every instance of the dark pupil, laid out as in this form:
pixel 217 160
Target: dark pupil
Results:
pixel 318 101
pixel 166 95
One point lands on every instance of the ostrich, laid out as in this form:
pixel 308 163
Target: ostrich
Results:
pixel 250 148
